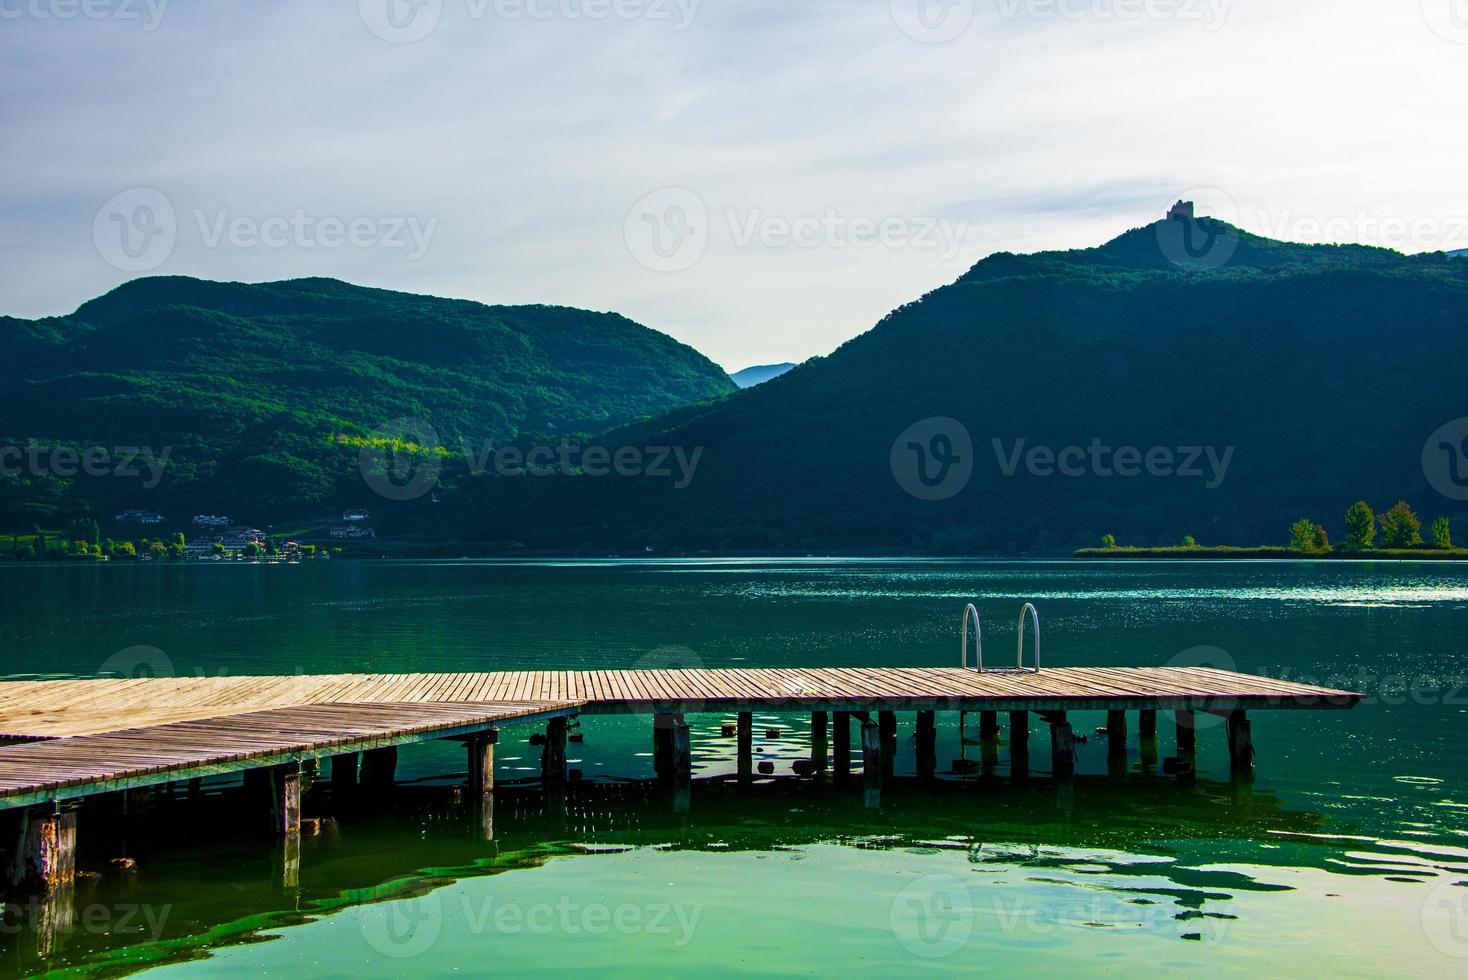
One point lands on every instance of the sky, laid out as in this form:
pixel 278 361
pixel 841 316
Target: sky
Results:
pixel 761 179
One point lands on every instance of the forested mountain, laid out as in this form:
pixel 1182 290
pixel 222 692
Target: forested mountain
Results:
pixel 262 394
pixel 1314 374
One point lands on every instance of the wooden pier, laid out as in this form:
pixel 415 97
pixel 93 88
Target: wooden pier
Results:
pixel 72 739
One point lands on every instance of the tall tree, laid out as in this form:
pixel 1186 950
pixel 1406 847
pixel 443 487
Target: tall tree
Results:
pixel 1442 533
pixel 1302 535
pixel 1400 528
pixel 1360 526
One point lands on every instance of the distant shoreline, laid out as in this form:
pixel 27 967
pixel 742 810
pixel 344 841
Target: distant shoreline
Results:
pixel 1279 554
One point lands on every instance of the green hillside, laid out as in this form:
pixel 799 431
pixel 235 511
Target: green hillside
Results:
pixel 1321 371
pixel 262 393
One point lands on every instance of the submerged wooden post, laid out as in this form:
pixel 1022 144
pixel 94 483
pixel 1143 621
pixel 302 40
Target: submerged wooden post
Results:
pixel 379 768
pixel 1187 732
pixel 1240 743
pixel 1116 753
pixel 45 854
pixel 553 754
pixel 288 793
pixel 1019 745
pixel 682 763
pixel 1062 747
pixel 746 746
pixel 480 747
pixel 343 776
pixel 988 724
pixel 927 744
pixel 887 732
pixel 841 745
pixel 818 748
pixel 871 762
pixel 1146 724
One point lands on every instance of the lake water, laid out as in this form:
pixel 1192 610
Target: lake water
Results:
pixel 1347 854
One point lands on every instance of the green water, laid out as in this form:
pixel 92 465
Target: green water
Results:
pixel 1347 854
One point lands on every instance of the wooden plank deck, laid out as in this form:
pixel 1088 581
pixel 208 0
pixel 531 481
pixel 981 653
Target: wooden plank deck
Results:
pixel 83 765
pixel 61 709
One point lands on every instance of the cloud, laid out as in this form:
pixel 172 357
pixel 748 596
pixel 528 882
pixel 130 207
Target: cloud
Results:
pixel 529 128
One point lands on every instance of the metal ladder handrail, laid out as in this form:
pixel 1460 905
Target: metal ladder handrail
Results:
pixel 1020 639
pixel 971 612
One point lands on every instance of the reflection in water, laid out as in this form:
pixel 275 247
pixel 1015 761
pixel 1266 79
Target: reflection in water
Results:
pixel 1140 855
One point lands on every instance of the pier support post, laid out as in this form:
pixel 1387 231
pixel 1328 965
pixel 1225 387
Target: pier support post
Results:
pixel 818 748
pixel 379 768
pixel 343 776
pixel 1019 745
pixel 927 745
pixel 988 724
pixel 841 746
pixel 1062 747
pixel 871 762
pixel 1146 724
pixel 746 747
pixel 1116 753
pixel 682 763
pixel 1240 743
pixel 45 853
pixel 1187 732
pixel 662 746
pixel 1147 739
pixel 887 731
pixel 553 755
pixel 480 747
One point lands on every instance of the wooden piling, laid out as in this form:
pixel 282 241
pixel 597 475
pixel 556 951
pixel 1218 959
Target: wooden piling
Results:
pixel 841 745
pixel 927 744
pixel 553 754
pixel 887 732
pixel 1147 724
pixel 1116 750
pixel 1019 745
pixel 480 747
pixel 662 746
pixel 1187 732
pixel 682 763
pixel 45 853
pixel 871 762
pixel 343 776
pixel 746 747
pixel 379 769
pixel 1062 747
pixel 818 740
pixel 1240 743
pixel 988 724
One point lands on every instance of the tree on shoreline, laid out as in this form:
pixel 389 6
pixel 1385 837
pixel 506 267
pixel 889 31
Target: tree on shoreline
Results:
pixel 1400 528
pixel 1360 526
pixel 1442 533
